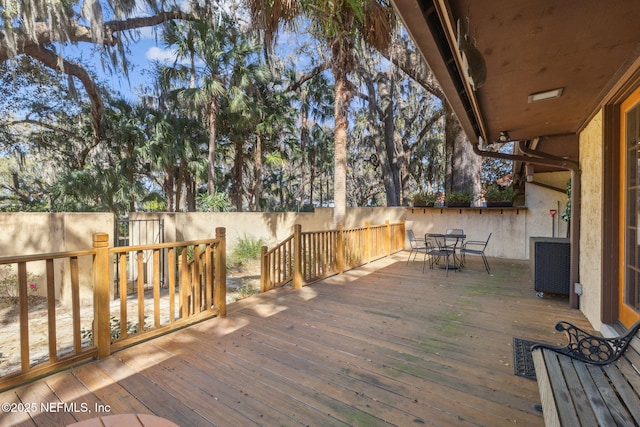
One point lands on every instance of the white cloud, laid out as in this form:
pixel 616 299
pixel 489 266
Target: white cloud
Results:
pixel 163 55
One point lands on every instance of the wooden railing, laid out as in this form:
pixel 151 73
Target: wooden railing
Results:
pixel 305 257
pixel 191 288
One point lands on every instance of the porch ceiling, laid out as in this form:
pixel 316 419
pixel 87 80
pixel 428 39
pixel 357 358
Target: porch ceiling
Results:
pixel 582 46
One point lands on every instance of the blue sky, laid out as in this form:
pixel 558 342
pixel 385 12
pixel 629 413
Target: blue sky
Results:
pixel 143 53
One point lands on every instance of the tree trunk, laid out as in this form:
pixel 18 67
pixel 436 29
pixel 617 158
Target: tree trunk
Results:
pixel 214 106
pixel 237 174
pixel 342 101
pixel 312 174
pixel 304 144
pixel 168 189
pixel 464 166
pixel 257 173
pixel 393 145
pixel 180 187
pixel 384 143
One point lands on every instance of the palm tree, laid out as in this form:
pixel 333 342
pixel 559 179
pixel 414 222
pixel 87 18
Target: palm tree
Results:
pixel 342 25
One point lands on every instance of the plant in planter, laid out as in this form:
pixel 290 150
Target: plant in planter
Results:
pixel 424 199
pixel 497 196
pixel 458 198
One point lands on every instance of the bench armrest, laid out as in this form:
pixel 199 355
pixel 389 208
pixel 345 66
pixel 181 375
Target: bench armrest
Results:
pixel 589 348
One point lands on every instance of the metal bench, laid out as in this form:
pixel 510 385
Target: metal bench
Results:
pixel 592 381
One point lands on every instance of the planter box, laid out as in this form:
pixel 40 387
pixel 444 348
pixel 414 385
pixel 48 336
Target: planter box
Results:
pixel 458 204
pixel 499 204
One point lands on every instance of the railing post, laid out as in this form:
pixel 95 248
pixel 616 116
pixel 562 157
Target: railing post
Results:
pixel 388 236
pixel 297 256
pixel 403 233
pixel 264 269
pixel 101 281
pixel 220 288
pixel 340 250
pixel 368 244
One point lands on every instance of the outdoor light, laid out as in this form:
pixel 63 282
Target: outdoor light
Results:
pixel 542 96
pixel 503 137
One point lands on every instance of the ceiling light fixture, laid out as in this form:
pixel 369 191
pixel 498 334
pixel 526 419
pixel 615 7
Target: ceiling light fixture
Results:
pixel 548 94
pixel 503 137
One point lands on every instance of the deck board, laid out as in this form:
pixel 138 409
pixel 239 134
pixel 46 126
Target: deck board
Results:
pixel 384 344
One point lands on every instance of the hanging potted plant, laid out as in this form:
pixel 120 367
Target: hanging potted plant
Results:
pixel 458 199
pixel 497 196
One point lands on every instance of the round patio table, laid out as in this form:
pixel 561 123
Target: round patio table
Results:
pixel 447 245
pixel 128 420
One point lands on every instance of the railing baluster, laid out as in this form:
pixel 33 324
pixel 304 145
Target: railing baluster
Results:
pixel 171 270
pixel 197 282
pixel 123 284
pixel 140 267
pixel 24 315
pixel 75 303
pixel 156 287
pixel 184 284
pixel 51 310
pixel 208 270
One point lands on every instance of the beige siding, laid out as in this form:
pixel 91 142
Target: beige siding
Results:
pixel 591 224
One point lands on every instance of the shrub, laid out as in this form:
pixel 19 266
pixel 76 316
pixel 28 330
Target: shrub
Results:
pixel 9 283
pixel 458 196
pixel 248 248
pixel 496 193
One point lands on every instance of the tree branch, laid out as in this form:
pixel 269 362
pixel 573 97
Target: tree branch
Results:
pixel 308 76
pixel 80 33
pixel 50 59
pixel 407 60
pixel 48 126
pixel 32 46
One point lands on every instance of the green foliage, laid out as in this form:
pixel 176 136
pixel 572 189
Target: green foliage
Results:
pixel 154 203
pixel 425 197
pixel 497 193
pixel 566 214
pixel 9 283
pixel 245 291
pixel 273 148
pixel 458 196
pixel 217 202
pixel 495 169
pixel 247 248
pixel 132 328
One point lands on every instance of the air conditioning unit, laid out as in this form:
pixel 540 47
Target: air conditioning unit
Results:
pixel 550 265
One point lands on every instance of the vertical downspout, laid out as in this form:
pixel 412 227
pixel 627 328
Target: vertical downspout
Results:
pixel 539 158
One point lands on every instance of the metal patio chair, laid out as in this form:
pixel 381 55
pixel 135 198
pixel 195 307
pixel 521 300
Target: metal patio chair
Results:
pixel 417 245
pixel 476 247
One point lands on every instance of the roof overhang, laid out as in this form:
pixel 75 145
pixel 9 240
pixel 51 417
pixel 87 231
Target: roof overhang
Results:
pixel 582 48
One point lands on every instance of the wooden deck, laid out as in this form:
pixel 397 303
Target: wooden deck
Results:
pixel 380 345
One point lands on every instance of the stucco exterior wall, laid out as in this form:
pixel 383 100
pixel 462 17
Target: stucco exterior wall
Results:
pixel 541 199
pixel 508 227
pixel 511 228
pixel 28 233
pixel 270 227
pixel 591 144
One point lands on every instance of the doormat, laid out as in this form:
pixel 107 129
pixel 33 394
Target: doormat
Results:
pixel 522 360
